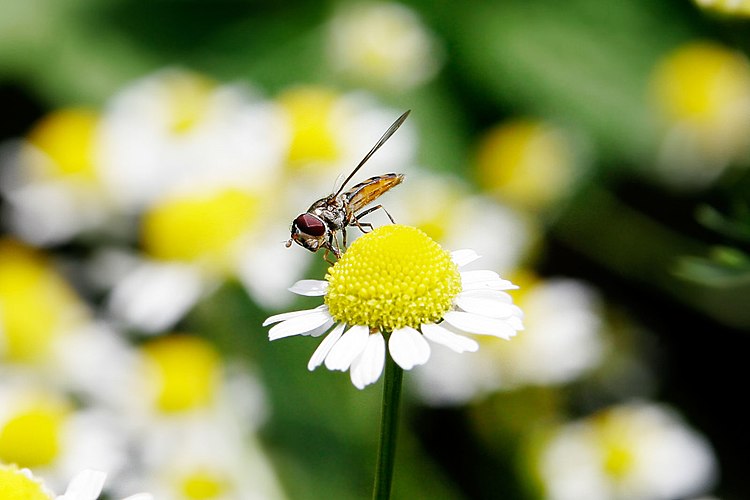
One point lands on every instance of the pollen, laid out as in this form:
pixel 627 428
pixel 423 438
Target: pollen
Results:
pixel 392 277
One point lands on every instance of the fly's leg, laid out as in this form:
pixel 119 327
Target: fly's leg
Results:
pixel 325 257
pixel 331 246
pixel 361 225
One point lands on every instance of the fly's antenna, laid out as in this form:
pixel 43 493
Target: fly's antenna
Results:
pixel 381 141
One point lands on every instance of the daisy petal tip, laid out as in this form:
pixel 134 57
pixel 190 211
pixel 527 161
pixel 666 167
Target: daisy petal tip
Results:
pixel 464 256
pixel 310 288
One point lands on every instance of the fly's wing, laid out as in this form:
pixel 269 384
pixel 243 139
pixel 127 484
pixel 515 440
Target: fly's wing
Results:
pixel 387 135
pixel 338 184
pixel 366 192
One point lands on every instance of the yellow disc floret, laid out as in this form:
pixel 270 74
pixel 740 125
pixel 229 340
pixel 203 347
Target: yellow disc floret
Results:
pixel 16 484
pixel 392 277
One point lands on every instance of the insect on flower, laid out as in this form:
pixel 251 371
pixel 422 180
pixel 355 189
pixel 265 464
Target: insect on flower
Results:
pixel 318 227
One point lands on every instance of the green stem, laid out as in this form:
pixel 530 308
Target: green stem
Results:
pixel 388 430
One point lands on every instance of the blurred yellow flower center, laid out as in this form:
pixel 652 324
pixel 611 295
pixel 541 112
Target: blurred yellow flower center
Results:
pixel 702 82
pixel 309 110
pixel 187 371
pixel 614 431
pixel 189 99
pixel 67 137
pixel 618 460
pixel 32 438
pixel 392 277
pixel 202 227
pixel 729 7
pixel 35 304
pixel 527 162
pixel 203 485
pixel 14 485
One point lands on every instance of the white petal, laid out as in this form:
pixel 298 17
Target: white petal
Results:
pixel 515 322
pixel 452 341
pixel 480 325
pixel 310 288
pixel 366 369
pixel 346 350
pixel 480 275
pixel 292 314
pixel 321 329
pixel 487 307
pixel 85 486
pixel 464 256
pixel 484 280
pixel 408 348
pixel 140 496
pixel 325 347
pixel 154 296
pixel 503 297
pixel 299 325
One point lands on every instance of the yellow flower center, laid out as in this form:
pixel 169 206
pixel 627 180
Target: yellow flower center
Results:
pixel 187 372
pixel 15 485
pixel 68 136
pixel 36 305
pixel 313 138
pixel 614 430
pixel 702 82
pixel 189 98
pixel 202 227
pixel 529 163
pixel 392 277
pixel 32 438
pixel 204 485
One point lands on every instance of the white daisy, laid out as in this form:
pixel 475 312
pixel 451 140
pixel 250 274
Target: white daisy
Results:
pixel 395 284
pixel 636 450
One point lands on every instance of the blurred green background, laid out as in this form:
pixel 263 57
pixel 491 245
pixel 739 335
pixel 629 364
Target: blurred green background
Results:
pixel 656 217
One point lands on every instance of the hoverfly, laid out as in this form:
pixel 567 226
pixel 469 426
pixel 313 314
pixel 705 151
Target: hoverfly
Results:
pixel 318 227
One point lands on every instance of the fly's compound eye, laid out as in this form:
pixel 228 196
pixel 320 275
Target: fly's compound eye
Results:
pixel 310 225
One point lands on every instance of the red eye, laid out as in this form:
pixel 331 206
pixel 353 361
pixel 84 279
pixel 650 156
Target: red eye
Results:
pixel 311 225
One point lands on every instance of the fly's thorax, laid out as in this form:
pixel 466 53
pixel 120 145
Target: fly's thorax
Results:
pixel 333 211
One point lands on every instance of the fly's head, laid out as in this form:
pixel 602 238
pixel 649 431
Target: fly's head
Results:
pixel 310 232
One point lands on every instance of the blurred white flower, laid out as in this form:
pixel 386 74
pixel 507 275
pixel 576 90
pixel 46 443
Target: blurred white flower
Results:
pixel 382 44
pixel 562 340
pixel 530 164
pixel 701 94
pixel 740 8
pixel 50 179
pixel 331 132
pixel 196 418
pixel 178 375
pixel 153 296
pixel 642 451
pixel 43 430
pixel 176 127
pixel 204 455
